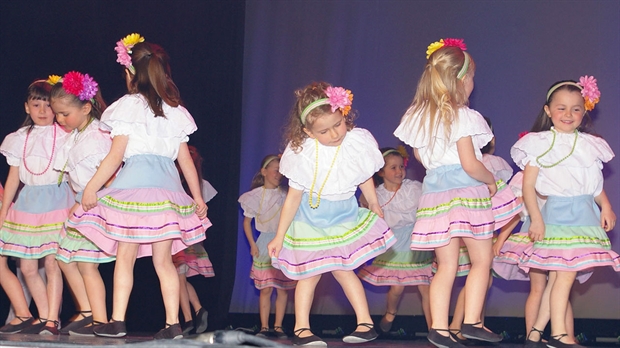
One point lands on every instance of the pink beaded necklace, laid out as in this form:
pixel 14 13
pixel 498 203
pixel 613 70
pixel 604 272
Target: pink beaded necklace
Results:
pixel 51 157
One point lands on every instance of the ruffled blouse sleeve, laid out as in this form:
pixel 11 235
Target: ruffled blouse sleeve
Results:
pixel 249 202
pixel 471 124
pixel 13 146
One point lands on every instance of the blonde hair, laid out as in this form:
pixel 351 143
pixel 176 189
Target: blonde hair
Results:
pixel 440 93
pixel 294 133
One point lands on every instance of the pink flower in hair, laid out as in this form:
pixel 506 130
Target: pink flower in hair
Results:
pixel 72 83
pixel 455 43
pixel 339 98
pixel 122 56
pixel 89 88
pixel 522 134
pixel 589 91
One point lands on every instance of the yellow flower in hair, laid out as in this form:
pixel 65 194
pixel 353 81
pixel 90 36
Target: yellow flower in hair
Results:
pixel 434 47
pixel 132 39
pixel 53 79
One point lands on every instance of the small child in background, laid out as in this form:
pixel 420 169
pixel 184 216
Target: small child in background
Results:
pixel 399 266
pixel 31 226
pixel 322 229
pixel 194 261
pixel 263 203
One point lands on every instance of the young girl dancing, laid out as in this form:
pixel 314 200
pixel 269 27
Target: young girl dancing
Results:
pixel 145 211
pixel 399 266
pixel 321 228
pixel 263 204
pixel 31 227
pixel 456 201
pixel 77 104
pixel 563 162
pixel 194 260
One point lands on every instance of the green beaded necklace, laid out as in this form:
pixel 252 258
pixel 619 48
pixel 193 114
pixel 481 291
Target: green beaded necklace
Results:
pixel 551 147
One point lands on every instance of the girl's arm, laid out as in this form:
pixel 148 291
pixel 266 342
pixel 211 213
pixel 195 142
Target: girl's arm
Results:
pixel 289 209
pixel 106 169
pixel 504 233
pixel 247 228
pixel 537 226
pixel 363 201
pixel 10 189
pixel 472 166
pixel 608 217
pixel 369 192
pixel 186 163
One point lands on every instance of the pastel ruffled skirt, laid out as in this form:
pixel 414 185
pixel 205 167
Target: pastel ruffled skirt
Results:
pixel 32 226
pixel 574 239
pixel 263 273
pixel 453 204
pixel 399 265
pixel 145 204
pixel 338 235
pixel 193 261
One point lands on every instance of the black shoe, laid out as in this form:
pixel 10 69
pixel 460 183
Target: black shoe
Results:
pixel 386 325
pixel 554 342
pixel 76 324
pixel 202 317
pixel 442 341
pixel 35 328
pixel 115 328
pixel 263 333
pixel 85 331
pixel 534 344
pixel 361 337
pixel 479 333
pixel 279 332
pixel 50 330
pixel 187 327
pixel 169 332
pixel 454 333
pixel 312 340
pixel 15 328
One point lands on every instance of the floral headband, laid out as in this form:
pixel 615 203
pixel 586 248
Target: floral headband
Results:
pixel 451 43
pixel 337 97
pixel 270 159
pixel 123 50
pixel 589 90
pixel 80 85
pixel 400 150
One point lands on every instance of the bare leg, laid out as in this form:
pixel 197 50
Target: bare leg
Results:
pixel 459 314
pixel 441 285
pixel 281 302
pixel 30 270
pixel 392 300
pixel 13 289
pixel 76 285
pixel 426 304
pixel 168 279
pixel 558 302
pixel 95 289
pixel 193 297
pixel 54 288
pixel 126 254
pixel 264 306
pixel 304 295
pixel 538 282
pixel 354 291
pixel 481 256
pixel 184 299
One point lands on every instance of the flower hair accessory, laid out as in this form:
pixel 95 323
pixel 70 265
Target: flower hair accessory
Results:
pixel 123 50
pixel 53 79
pixel 337 97
pixel 450 42
pixel 589 90
pixel 78 84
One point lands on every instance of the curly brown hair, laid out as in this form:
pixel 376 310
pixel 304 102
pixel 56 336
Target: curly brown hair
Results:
pixel 294 132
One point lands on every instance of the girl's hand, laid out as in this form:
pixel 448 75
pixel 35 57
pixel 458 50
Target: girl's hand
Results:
pixel 201 208
pixel 254 250
pixel 608 219
pixel 497 247
pixel 274 247
pixel 376 208
pixel 89 200
pixel 537 231
pixel 492 189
